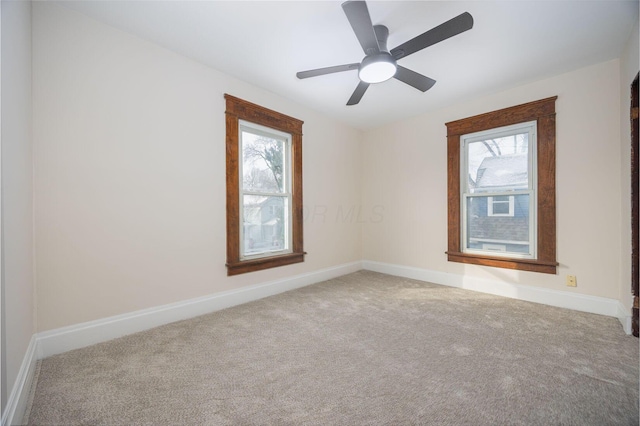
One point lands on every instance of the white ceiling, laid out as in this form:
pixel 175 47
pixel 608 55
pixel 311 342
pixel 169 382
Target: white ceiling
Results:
pixel 266 42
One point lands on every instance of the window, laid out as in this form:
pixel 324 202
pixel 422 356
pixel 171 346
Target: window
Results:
pixel 498 187
pixel 500 205
pixel 264 188
pixel 501 188
pixel 265 191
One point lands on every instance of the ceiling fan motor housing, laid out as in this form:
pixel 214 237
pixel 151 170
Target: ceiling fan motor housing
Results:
pixel 378 66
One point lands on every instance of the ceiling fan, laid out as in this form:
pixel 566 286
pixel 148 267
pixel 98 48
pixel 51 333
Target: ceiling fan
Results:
pixel 379 63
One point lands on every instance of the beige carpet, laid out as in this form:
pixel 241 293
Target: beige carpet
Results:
pixel 363 349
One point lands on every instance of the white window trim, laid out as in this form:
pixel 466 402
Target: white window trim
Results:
pixel 257 129
pixel 527 127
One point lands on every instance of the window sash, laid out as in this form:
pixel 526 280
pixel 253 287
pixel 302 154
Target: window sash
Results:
pixel 258 130
pixel 465 192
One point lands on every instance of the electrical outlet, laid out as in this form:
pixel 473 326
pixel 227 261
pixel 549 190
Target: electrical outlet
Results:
pixel 571 281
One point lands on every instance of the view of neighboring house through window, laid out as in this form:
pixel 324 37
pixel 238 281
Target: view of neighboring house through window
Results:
pixel 498 186
pixel 265 195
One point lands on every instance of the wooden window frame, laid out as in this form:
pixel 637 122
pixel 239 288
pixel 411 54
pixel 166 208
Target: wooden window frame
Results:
pixel 543 112
pixel 236 110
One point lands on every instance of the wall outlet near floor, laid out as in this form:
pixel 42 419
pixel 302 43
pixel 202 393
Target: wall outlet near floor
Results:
pixel 571 281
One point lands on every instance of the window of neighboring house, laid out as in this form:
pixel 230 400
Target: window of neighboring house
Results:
pixel 264 188
pixel 500 205
pixel 501 188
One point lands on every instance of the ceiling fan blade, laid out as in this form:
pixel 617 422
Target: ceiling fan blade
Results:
pixel 327 70
pixel 358 93
pixel 360 20
pixel 452 27
pixel 414 79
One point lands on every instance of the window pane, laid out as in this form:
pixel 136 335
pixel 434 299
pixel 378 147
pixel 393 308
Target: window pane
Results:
pixel 265 224
pixel 509 234
pixel 262 163
pixel 500 207
pixel 498 164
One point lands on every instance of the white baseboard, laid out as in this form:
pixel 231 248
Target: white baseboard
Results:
pixel 624 316
pixel 19 396
pixel 85 334
pixel 81 335
pixel 562 299
pixel 77 336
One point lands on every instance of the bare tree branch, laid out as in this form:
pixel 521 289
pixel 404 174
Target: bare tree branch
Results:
pixel 271 154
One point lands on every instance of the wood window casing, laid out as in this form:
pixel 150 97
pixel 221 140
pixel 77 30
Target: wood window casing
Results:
pixel 236 110
pixel 543 112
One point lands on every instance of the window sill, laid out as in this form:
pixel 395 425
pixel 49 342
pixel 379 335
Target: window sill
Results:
pixel 530 265
pixel 259 264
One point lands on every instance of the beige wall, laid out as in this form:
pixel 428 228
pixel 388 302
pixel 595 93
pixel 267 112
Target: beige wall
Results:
pixel 405 174
pixel 18 311
pixel 629 67
pixel 129 153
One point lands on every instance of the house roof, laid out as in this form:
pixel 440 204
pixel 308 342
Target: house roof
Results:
pixel 503 171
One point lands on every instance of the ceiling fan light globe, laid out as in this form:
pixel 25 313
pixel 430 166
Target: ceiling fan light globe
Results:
pixel 377 68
